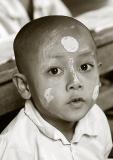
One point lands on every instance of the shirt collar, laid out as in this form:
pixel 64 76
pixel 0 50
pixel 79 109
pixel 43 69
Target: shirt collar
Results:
pixel 46 128
pixel 85 126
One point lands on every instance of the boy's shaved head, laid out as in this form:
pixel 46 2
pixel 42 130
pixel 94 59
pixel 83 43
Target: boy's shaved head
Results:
pixel 55 56
pixel 38 35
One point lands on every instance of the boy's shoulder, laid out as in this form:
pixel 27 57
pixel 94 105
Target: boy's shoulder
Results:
pixel 100 122
pixel 19 133
pixel 15 139
pixel 98 117
pixel 98 113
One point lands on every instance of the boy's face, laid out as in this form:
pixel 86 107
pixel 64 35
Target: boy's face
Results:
pixel 64 82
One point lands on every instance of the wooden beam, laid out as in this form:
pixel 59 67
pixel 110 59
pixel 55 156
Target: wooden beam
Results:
pixel 103 37
pixel 10 99
pixel 105 100
pixel 105 55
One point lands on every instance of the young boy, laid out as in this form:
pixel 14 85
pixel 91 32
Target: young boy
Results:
pixel 58 77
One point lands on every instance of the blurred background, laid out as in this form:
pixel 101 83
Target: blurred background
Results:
pixel 78 7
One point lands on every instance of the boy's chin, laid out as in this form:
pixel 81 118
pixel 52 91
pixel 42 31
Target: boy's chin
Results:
pixel 75 117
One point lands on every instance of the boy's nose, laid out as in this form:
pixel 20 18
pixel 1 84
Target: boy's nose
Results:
pixel 73 83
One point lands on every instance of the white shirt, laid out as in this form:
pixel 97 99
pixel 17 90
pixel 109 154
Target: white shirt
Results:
pixel 13 16
pixel 30 137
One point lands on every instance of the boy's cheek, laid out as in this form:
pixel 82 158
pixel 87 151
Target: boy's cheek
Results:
pixel 92 93
pixel 95 92
pixel 48 95
pixel 52 95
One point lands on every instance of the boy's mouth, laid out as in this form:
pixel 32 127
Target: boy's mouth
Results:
pixel 76 100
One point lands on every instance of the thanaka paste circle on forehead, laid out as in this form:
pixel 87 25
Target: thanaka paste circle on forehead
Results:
pixel 70 44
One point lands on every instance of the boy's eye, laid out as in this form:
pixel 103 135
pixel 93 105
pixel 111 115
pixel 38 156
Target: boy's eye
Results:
pixel 86 67
pixel 55 71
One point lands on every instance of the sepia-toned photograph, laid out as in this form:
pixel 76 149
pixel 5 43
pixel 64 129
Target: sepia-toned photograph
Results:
pixel 56 80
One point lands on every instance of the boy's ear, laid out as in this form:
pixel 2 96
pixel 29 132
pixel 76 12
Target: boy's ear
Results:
pixel 22 86
pixel 99 67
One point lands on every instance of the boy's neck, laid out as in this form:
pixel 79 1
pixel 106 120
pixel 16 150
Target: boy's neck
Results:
pixel 66 128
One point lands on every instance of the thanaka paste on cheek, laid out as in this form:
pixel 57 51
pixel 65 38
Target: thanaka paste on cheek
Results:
pixel 70 44
pixel 48 96
pixel 95 93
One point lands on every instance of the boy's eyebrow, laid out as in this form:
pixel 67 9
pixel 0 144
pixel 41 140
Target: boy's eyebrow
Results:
pixel 56 56
pixel 86 52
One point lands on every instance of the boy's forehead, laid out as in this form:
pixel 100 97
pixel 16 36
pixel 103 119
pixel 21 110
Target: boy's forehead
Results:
pixel 51 35
pixel 70 43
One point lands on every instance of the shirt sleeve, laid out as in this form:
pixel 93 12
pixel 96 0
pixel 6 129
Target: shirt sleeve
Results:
pixel 109 143
pixel 103 130
pixel 107 138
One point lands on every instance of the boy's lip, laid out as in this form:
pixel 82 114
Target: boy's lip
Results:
pixel 76 100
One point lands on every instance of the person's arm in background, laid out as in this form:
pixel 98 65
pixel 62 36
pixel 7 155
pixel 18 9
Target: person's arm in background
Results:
pixel 59 8
pixel 10 23
pixel 13 16
pixel 6 39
